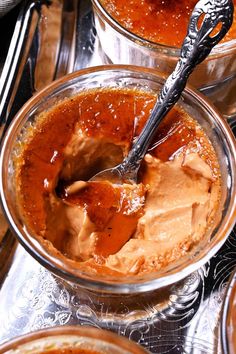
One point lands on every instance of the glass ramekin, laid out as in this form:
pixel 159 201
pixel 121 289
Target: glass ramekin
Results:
pixel 216 76
pixel 76 337
pixel 228 319
pixel 195 104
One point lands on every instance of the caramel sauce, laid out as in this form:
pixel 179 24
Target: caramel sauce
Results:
pixel 104 114
pixel 42 161
pixel 173 134
pixel 114 114
pixel 115 210
pixel 159 21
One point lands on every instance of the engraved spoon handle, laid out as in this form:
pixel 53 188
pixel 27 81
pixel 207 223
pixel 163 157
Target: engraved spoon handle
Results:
pixel 206 17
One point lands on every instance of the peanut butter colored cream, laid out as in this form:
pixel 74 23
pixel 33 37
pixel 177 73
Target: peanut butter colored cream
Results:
pixel 128 229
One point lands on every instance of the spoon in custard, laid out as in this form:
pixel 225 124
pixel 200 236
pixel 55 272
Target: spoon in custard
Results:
pixel 209 22
pixel 112 198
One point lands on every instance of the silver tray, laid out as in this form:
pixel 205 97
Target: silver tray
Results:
pixel 186 320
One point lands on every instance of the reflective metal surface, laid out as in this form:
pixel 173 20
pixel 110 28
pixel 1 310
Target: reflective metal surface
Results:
pixel 18 53
pixel 186 320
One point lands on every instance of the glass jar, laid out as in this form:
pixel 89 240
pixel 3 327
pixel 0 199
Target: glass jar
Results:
pixel 195 105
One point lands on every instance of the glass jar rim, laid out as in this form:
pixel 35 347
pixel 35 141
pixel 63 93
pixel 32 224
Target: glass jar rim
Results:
pixel 105 284
pixel 73 331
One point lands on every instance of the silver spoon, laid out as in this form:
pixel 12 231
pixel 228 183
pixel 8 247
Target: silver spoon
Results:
pixel 206 17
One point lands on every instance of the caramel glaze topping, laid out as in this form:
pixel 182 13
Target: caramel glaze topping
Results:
pixel 159 21
pixel 70 351
pixel 114 114
pixel 114 210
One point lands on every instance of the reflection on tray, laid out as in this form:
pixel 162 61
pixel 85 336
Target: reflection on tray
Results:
pixel 187 316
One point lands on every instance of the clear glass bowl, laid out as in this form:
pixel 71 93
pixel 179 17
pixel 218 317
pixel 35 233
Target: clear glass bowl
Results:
pixel 144 79
pixel 228 319
pixel 216 76
pixel 77 337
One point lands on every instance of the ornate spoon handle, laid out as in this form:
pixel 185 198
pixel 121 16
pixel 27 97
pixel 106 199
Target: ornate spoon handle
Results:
pixel 209 22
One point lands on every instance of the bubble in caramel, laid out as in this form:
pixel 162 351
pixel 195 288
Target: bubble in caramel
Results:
pixel 158 21
pixel 116 229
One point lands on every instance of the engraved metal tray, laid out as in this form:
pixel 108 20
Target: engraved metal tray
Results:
pixel 186 321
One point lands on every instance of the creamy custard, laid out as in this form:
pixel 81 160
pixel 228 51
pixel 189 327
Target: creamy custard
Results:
pixel 111 229
pixel 159 21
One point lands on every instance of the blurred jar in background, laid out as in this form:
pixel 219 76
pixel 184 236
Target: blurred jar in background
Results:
pixel 149 33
